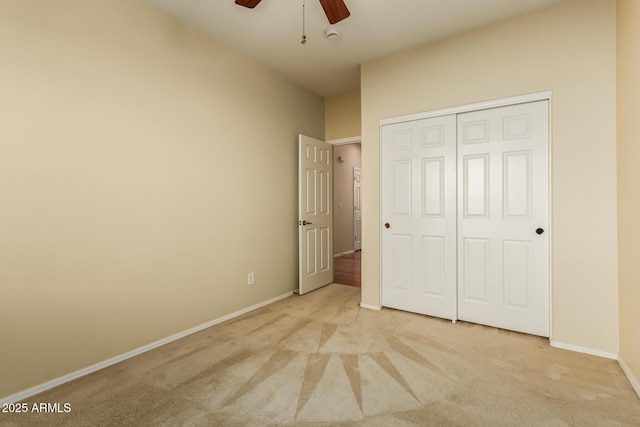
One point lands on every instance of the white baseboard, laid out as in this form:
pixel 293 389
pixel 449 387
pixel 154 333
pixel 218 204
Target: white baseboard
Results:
pixel 344 253
pixel 584 350
pixel 370 307
pixel 632 379
pixel 98 366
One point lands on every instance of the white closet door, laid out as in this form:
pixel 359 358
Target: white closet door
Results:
pixel 503 211
pixel 419 216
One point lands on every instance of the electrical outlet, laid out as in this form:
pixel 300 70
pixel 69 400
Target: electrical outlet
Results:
pixel 251 279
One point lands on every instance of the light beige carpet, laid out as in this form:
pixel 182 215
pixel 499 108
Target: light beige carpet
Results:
pixel 320 358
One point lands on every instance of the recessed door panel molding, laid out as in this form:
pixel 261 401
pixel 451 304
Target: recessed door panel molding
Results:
pixel 325 156
pixel 517 273
pixel 312 250
pixel 402 140
pixel 402 258
pixel 325 193
pixel 433 136
pixel 433 187
pixel 433 265
pixel 311 153
pixel 517 185
pixel 517 127
pixel 315 222
pixel 476 186
pixel 310 196
pixel 475 270
pixel 402 187
pixel 476 132
pixel 325 254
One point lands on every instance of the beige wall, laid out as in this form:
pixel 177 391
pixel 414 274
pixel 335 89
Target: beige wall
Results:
pixel 628 14
pixel 144 171
pixel 343 232
pixel 568 49
pixel 342 114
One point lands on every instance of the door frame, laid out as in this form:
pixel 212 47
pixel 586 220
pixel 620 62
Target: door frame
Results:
pixel 495 103
pixel 346 141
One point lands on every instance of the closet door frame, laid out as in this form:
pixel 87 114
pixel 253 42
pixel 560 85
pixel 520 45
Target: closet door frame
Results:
pixel 503 102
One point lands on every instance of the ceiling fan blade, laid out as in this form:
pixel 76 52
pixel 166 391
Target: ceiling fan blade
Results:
pixel 335 10
pixel 248 3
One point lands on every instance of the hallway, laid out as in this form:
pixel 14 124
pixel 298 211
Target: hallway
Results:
pixel 347 268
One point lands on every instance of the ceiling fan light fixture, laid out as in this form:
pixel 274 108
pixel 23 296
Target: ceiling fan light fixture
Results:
pixel 332 34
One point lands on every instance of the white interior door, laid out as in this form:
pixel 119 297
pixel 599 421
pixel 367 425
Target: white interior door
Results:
pixel 419 216
pixel 503 239
pixel 315 218
pixel 357 209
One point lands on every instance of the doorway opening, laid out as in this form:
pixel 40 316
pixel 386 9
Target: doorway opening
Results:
pixel 347 229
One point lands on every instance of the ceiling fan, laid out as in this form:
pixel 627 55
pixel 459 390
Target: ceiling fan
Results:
pixel 335 10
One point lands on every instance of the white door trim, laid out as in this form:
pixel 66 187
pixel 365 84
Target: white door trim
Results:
pixel 344 141
pixel 501 102
pixel 521 99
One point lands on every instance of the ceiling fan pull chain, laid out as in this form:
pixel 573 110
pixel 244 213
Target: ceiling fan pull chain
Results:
pixel 304 35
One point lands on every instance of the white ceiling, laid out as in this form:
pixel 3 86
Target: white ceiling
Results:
pixel 271 32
